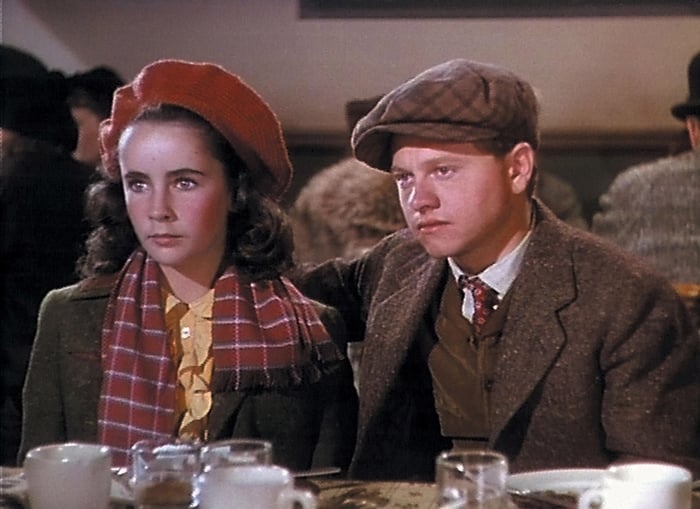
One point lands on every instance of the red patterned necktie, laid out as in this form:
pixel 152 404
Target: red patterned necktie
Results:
pixel 485 299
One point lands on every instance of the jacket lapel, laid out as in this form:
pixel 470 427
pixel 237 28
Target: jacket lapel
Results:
pixel 402 299
pixel 532 337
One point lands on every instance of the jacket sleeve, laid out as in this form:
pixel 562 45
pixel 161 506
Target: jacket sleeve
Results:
pixel 651 402
pixel 338 425
pixel 349 286
pixel 43 417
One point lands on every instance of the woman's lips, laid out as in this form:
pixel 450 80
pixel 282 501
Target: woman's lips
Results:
pixel 164 239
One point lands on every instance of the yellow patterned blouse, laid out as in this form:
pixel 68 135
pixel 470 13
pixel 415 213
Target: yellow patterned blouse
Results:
pixel 189 330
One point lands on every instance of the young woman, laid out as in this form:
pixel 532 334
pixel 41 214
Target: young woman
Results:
pixel 184 324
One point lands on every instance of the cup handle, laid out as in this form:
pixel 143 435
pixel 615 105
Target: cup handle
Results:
pixel 288 498
pixel 590 496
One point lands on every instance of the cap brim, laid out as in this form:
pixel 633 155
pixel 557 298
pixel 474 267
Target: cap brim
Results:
pixel 373 147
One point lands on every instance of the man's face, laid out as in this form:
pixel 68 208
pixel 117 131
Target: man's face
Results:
pixel 88 148
pixel 460 201
pixel 692 123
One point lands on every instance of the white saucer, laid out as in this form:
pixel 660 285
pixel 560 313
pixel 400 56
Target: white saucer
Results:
pixel 574 480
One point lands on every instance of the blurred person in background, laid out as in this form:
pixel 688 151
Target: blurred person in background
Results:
pixel 560 196
pixel 346 207
pixel 42 226
pixel 653 209
pixel 90 101
pixel 343 210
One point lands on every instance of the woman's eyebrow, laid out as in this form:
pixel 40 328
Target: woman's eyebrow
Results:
pixel 183 172
pixel 180 172
pixel 135 174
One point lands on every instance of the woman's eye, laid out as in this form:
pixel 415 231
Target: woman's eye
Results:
pixel 185 184
pixel 136 186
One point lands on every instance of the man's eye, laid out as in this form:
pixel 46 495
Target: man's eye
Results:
pixel 401 179
pixel 444 170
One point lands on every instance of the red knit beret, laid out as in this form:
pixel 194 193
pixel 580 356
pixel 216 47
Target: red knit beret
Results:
pixel 218 96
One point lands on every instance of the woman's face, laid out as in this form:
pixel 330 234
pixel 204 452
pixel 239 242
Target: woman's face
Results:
pixel 177 196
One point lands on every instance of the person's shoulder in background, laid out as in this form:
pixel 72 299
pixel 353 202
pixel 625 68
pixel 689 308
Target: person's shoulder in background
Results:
pixel 343 210
pixel 561 197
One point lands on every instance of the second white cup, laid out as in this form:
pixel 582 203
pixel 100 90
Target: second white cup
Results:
pixel 252 487
pixel 641 486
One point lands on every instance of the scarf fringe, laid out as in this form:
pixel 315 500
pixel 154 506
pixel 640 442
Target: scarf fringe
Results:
pixel 326 362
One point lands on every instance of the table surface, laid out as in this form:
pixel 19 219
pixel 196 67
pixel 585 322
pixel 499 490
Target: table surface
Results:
pixel 334 493
pixel 349 494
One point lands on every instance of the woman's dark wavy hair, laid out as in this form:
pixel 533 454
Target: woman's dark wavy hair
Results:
pixel 259 239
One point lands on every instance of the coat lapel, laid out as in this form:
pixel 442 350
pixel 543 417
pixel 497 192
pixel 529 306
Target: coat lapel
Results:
pixel 402 299
pixel 532 337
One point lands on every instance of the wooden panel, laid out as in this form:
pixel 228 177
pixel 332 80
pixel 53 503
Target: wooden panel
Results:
pixel 589 161
pixel 492 8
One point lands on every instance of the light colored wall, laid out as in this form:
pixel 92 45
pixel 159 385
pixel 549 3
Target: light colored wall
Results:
pixel 593 74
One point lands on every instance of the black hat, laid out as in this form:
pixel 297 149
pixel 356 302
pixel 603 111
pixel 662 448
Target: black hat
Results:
pixel 94 89
pixel 34 100
pixel 692 105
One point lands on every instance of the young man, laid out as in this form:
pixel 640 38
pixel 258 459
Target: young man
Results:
pixel 576 356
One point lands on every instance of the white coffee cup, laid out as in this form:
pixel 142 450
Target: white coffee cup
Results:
pixel 251 487
pixel 75 475
pixel 641 486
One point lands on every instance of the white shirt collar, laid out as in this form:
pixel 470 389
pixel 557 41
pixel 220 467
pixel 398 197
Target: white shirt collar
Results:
pixel 499 275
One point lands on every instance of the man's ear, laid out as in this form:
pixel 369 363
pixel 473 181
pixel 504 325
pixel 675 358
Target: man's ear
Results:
pixel 521 164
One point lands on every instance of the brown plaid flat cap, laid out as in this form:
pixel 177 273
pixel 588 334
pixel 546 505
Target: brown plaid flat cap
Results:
pixel 456 101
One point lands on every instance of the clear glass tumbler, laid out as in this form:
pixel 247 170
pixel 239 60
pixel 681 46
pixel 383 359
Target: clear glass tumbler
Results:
pixel 235 452
pixel 164 474
pixel 473 479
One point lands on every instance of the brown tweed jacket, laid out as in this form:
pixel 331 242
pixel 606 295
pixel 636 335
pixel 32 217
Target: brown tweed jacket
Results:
pixel 308 425
pixel 597 358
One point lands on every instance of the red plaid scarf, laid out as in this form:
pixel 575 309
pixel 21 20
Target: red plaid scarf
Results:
pixel 264 334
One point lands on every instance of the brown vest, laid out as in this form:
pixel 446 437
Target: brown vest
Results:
pixel 462 366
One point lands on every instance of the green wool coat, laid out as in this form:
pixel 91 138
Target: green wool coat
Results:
pixel 309 426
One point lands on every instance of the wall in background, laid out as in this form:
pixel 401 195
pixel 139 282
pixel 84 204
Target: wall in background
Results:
pixel 605 73
pixel 605 83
